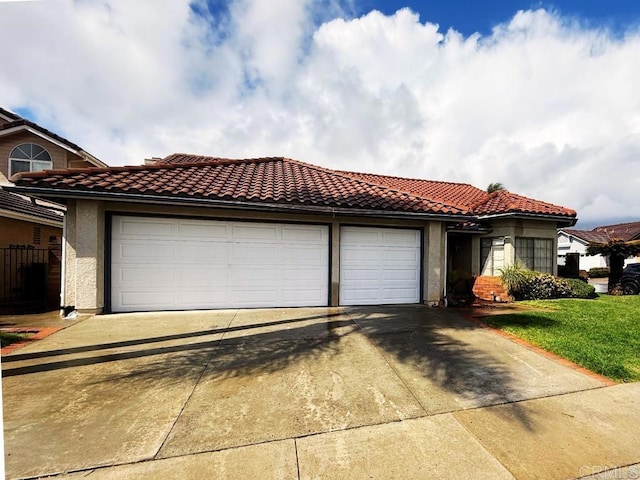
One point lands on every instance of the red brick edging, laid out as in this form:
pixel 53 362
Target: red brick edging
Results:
pixel 40 333
pixel 541 351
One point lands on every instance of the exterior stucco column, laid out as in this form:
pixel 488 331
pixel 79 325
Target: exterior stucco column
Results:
pixel 89 253
pixel 69 271
pixel 335 264
pixel 434 263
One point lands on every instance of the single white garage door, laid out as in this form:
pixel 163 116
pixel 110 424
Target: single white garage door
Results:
pixel 179 264
pixel 379 266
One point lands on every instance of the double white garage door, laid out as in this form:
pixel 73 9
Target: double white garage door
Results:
pixel 180 264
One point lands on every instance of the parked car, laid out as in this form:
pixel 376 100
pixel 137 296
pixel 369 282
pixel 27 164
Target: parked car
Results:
pixel 631 279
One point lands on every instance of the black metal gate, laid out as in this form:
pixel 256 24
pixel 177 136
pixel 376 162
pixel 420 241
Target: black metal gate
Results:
pixel 23 279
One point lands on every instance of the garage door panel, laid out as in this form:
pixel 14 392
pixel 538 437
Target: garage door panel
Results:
pixel 379 265
pixel 202 253
pixel 299 235
pixel 293 255
pixel 216 264
pixel 145 227
pixel 208 298
pixel 355 256
pixel 361 274
pixel 144 275
pixel 202 230
pixel 251 254
pixel 254 232
pixel 140 251
pixel 291 297
pixel 360 236
pixel 400 238
pixel 399 275
pixel 314 275
pixel 200 277
pixel 144 299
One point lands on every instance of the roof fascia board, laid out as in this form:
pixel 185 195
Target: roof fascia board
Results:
pixel 242 205
pixel 564 221
pixel 81 153
pixel 35 131
pixel 30 218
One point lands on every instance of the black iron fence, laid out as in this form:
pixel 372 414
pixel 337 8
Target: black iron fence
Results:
pixel 23 277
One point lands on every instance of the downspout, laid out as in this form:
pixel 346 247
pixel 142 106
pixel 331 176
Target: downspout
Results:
pixel 63 267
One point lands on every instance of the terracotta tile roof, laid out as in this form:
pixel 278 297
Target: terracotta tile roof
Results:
pixel 468 197
pixel 278 180
pixel 503 201
pixel 19 204
pixel 587 235
pixel 461 194
pixel 625 231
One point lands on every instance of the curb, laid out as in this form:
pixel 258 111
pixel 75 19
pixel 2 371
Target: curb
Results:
pixel 40 333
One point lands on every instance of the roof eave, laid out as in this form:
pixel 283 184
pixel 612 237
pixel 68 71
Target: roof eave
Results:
pixel 81 153
pixel 40 192
pixel 28 217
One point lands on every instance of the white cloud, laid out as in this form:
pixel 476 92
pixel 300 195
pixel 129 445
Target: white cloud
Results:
pixel 543 104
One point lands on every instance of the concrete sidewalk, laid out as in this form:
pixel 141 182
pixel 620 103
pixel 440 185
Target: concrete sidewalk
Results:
pixel 394 392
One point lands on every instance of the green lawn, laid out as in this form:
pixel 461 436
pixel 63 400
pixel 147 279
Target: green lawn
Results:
pixel 602 335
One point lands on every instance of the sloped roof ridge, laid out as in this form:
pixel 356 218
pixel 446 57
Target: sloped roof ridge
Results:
pixel 23 121
pixel 435 198
pixel 9 114
pixel 617 225
pixel 344 174
pixel 209 160
pixel 397 177
pixel 482 201
pixel 123 168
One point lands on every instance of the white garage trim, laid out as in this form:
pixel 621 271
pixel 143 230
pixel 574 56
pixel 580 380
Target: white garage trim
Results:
pixel 379 265
pixel 160 263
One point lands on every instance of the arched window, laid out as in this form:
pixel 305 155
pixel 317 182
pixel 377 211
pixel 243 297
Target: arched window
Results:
pixel 29 157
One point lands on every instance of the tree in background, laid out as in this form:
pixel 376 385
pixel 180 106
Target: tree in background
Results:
pixel 617 250
pixel 494 187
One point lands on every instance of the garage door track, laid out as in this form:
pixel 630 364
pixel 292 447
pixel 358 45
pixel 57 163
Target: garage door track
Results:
pixel 393 392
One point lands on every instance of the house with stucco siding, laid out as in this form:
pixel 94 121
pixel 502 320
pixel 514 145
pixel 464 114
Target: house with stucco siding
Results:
pixel 200 232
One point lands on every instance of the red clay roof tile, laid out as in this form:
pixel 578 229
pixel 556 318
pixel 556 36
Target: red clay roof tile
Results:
pixel 285 181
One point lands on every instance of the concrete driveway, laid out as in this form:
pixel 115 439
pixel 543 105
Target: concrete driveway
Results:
pixel 393 392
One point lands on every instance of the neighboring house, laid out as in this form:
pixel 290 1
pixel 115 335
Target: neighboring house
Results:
pixel 30 231
pixel 196 232
pixel 572 241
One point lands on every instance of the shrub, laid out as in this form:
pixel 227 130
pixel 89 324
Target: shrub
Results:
pixel 514 278
pixel 543 286
pixel 524 284
pixel 599 272
pixel 580 289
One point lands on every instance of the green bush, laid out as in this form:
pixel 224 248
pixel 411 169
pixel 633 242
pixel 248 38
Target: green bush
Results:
pixel 524 284
pixel 580 288
pixel 599 272
pixel 543 286
pixel 514 278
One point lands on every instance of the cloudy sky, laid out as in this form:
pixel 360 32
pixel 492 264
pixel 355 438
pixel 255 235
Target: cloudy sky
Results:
pixel 541 96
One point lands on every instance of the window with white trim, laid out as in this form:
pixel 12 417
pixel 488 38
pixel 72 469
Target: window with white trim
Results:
pixel 29 157
pixel 535 253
